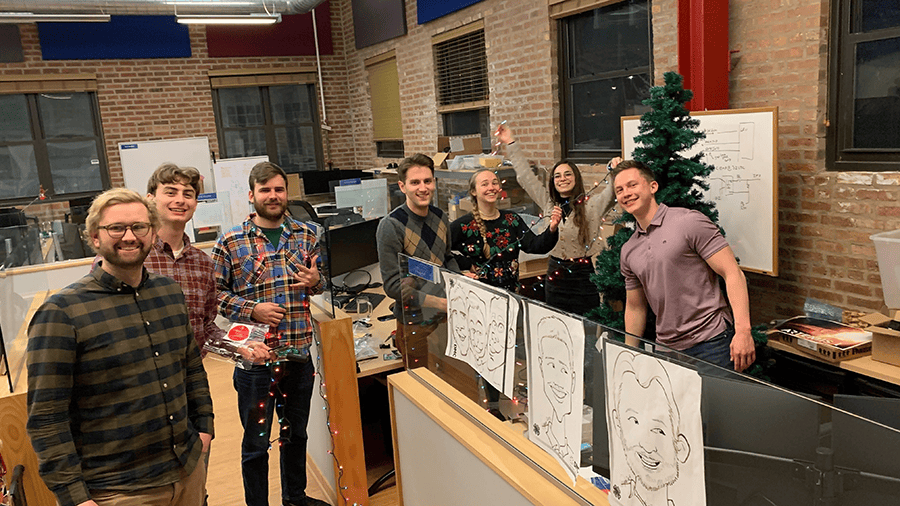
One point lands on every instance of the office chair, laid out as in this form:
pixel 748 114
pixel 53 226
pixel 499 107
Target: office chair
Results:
pixel 303 211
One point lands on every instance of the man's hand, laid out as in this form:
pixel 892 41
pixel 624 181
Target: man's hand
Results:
pixel 256 353
pixel 743 350
pixel 206 439
pixel 614 162
pixel 555 218
pixel 308 277
pixel 268 313
pixel 88 503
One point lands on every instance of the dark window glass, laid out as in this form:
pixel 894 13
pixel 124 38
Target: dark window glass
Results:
pixel 241 107
pixel 74 166
pixel 389 149
pixel 863 127
pixel 18 172
pixel 610 39
pixel 598 124
pixel 475 122
pixel 14 123
pixel 50 141
pixel 606 67
pixel 278 121
pixel 878 14
pixel 66 116
pixel 877 94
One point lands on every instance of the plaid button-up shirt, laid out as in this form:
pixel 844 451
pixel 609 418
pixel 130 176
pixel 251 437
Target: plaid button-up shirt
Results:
pixel 249 270
pixel 193 270
pixel 117 393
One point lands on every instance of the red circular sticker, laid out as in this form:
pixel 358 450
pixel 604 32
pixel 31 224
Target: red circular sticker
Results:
pixel 238 333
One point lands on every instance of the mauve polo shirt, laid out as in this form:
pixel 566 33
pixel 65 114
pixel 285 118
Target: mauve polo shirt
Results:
pixel 668 260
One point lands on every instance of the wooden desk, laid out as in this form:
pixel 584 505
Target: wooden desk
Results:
pixel 864 366
pixel 342 388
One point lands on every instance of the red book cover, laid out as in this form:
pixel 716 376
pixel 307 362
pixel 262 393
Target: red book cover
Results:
pixel 824 331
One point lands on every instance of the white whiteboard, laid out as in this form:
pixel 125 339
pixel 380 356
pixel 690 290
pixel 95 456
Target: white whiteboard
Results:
pixel 232 181
pixel 140 159
pixel 741 144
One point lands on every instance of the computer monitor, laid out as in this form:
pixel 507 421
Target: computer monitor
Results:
pixel 350 247
pixel 318 182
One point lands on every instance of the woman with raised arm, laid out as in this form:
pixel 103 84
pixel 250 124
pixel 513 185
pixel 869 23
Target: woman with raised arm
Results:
pixel 568 286
pixel 487 241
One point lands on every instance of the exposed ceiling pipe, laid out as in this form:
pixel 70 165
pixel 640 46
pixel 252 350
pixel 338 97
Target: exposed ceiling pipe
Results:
pixel 159 7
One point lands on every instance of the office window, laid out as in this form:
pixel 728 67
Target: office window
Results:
pixel 275 116
pixel 864 94
pixel 462 83
pixel 605 73
pixel 384 92
pixel 50 139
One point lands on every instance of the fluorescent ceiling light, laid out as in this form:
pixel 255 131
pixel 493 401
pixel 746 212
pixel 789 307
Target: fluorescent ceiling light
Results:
pixel 28 17
pixel 212 19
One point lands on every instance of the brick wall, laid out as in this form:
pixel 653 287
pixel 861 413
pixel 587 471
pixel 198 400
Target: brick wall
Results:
pixel 167 98
pixel 780 58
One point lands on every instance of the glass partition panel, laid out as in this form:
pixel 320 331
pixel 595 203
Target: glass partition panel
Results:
pixel 666 422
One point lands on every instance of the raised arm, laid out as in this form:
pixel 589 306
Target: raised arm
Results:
pixel 526 178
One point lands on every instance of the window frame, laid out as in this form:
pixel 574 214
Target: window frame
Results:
pixel 268 126
pixel 445 108
pixel 566 102
pixel 42 154
pixel 840 155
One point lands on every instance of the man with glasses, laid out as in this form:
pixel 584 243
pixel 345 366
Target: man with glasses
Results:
pixel 119 409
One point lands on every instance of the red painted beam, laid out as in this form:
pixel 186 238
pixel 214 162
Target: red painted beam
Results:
pixel 703 57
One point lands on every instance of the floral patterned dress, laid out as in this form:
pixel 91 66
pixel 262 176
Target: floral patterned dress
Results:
pixel 506 235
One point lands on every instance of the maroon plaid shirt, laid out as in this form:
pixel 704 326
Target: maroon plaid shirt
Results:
pixel 193 270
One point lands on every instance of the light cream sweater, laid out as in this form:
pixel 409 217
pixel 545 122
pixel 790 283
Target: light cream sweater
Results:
pixel 598 204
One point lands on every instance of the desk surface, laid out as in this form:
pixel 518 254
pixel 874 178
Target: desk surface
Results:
pixel 380 330
pixel 865 366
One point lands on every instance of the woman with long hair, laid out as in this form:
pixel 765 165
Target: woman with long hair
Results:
pixel 568 286
pixel 487 241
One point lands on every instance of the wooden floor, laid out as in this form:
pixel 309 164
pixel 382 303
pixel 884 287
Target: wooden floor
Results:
pixel 224 483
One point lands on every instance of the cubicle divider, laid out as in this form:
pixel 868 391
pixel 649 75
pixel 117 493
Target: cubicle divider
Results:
pixel 652 419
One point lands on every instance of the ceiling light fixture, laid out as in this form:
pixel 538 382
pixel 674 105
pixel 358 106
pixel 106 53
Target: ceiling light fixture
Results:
pixel 212 19
pixel 28 17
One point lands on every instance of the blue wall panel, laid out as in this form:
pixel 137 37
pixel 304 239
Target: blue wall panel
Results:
pixel 124 37
pixel 429 10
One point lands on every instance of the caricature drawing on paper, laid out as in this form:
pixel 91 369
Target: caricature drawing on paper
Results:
pixel 649 434
pixel 460 329
pixel 477 329
pixel 497 335
pixel 556 389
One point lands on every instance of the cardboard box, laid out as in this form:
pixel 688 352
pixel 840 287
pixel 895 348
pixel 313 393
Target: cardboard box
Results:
pixel 295 187
pixel 824 352
pixel 885 340
pixel 462 145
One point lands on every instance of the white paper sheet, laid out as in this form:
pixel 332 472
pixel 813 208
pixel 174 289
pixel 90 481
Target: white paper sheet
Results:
pixel 655 430
pixel 555 383
pixel 482 333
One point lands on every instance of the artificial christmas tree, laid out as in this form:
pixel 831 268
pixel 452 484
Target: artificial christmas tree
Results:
pixel 666 131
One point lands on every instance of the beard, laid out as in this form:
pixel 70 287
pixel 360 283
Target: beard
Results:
pixel 665 475
pixel 111 256
pixel 261 210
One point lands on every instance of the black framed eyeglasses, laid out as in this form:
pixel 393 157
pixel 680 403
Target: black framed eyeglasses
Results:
pixel 117 230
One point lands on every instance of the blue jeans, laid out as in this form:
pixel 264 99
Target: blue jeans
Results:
pixel 716 350
pixel 291 401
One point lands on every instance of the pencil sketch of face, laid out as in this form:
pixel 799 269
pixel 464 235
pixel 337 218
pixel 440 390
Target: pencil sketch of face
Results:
pixel 477 327
pixel 497 332
pixel 460 328
pixel 555 362
pixel 647 421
